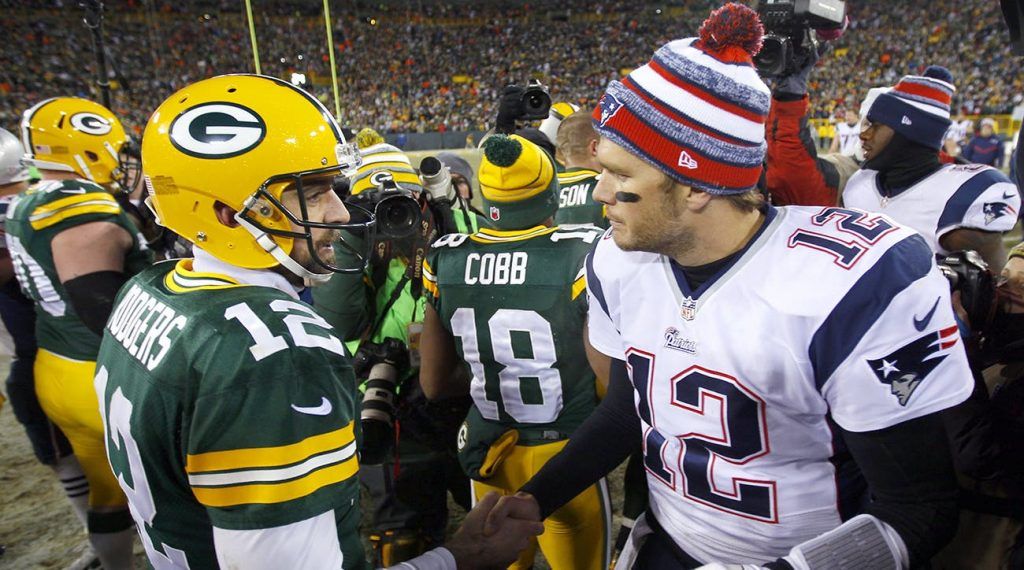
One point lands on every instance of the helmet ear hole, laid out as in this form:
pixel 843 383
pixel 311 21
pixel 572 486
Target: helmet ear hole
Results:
pixel 92 156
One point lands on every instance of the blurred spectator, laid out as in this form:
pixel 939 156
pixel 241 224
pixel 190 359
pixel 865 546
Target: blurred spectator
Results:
pixel 847 139
pixel 986 147
pixel 958 134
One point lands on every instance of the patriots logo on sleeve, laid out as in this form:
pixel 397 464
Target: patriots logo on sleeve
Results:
pixel 609 106
pixel 905 368
pixel 996 210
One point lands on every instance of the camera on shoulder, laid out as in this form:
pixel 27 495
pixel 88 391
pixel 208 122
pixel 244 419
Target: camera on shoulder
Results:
pixel 787 27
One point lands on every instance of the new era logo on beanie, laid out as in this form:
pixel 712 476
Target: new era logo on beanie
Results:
pixel 697 110
pixel 917 107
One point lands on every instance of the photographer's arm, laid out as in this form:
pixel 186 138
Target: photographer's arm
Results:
pixel 795 174
pixel 440 376
pixel 344 300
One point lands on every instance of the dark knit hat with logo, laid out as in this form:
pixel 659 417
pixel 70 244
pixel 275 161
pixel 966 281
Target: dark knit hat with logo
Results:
pixel 517 183
pixel 697 110
pixel 917 107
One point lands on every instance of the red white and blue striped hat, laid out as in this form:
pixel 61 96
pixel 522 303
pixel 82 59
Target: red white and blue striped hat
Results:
pixel 917 107
pixel 697 110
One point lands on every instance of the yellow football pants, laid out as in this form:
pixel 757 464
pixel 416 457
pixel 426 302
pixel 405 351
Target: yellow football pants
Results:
pixel 577 536
pixel 66 394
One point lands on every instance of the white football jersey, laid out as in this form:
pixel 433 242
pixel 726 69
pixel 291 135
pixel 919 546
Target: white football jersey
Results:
pixel 956 196
pixel 849 138
pixel 960 131
pixel 826 313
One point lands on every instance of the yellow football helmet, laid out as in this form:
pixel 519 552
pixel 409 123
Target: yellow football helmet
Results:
pixel 70 134
pixel 242 140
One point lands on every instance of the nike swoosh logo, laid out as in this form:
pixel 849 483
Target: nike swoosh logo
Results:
pixel 1007 196
pixel 72 190
pixel 323 409
pixel 919 324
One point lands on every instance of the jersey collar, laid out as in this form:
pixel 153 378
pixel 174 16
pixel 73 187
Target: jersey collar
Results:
pixel 206 263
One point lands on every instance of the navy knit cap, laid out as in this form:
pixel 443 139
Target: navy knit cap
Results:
pixel 917 107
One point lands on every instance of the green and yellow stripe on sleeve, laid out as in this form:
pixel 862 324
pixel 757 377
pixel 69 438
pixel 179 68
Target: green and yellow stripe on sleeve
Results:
pixel 77 205
pixel 430 280
pixel 268 475
pixel 579 284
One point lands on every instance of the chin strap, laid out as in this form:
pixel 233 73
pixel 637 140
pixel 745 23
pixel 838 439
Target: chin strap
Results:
pixel 271 247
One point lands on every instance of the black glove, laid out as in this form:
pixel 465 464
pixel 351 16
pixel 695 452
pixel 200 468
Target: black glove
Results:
pixel 509 109
pixel 796 82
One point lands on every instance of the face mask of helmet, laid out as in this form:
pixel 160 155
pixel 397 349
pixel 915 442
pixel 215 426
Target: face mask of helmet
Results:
pixel 355 237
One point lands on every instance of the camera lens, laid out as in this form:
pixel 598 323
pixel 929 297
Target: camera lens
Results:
pixel 771 60
pixel 397 216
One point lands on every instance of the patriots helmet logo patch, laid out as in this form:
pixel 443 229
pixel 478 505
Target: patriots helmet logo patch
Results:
pixel 995 210
pixel 905 368
pixel 609 106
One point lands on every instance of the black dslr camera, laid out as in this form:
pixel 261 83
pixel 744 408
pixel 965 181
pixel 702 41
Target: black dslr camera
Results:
pixel 968 273
pixel 398 212
pixel 787 27
pixel 535 103
pixel 382 364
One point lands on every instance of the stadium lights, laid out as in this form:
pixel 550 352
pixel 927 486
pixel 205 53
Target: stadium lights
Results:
pixel 299 79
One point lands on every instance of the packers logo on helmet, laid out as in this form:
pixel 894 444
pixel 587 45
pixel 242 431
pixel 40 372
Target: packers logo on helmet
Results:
pixel 91 123
pixel 217 130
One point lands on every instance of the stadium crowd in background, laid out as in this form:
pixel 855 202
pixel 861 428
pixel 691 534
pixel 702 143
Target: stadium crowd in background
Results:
pixel 414 68
pixel 892 325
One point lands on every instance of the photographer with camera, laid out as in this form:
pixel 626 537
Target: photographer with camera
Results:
pixel 796 175
pixel 408 460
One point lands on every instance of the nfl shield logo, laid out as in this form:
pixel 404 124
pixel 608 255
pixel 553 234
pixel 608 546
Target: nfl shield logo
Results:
pixel 495 213
pixel 688 308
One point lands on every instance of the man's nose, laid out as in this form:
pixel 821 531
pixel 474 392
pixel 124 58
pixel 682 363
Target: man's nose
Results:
pixel 336 212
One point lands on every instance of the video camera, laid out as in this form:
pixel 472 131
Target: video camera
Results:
pixel 787 26
pixel 398 212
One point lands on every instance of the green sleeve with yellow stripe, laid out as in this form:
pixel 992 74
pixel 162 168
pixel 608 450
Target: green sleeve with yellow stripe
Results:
pixel 34 219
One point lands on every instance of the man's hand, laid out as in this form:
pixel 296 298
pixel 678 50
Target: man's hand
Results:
pixel 509 108
pixel 796 83
pixel 519 506
pixel 510 529
pixel 1012 287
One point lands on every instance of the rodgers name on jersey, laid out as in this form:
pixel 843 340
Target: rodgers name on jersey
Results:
pixel 516 300
pixel 228 403
pixel 33 219
pixel 826 314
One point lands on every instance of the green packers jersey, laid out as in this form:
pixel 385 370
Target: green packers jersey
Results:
pixel 516 302
pixel 576 203
pixel 34 218
pixel 226 405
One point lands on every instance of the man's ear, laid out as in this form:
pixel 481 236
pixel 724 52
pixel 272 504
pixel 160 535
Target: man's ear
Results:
pixel 225 214
pixel 695 198
pixel 592 147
